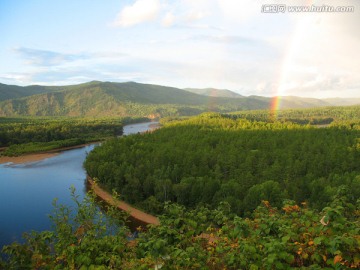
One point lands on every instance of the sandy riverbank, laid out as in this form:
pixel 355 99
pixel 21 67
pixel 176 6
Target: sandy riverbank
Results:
pixel 39 155
pixel 27 158
pixel 134 212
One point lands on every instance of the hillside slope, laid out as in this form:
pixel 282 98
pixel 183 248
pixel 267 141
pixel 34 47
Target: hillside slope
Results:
pixel 343 101
pixel 292 102
pixel 121 99
pixel 213 92
pixel 14 91
pixel 130 99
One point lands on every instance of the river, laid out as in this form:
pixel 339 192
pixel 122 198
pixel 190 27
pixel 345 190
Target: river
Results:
pixel 27 190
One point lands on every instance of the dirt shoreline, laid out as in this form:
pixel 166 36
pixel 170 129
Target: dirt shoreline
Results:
pixel 26 158
pixel 134 212
pixel 40 155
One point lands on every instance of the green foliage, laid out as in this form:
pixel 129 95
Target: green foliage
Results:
pixel 27 135
pixel 212 158
pixel 20 149
pixel 269 190
pixel 294 237
pixel 24 130
pixel 313 116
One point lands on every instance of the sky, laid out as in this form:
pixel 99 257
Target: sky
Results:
pixel 224 44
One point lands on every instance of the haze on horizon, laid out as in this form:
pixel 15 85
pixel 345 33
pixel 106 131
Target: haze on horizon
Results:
pixel 225 44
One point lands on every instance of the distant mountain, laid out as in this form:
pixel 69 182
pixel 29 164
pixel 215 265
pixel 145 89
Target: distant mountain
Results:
pixel 213 92
pixel 291 102
pixel 130 99
pixel 343 101
pixel 14 91
pixel 120 99
pixel 301 102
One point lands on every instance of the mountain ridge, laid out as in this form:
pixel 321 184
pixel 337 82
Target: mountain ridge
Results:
pixel 214 92
pixel 98 98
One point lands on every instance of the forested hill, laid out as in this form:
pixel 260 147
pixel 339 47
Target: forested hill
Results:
pixel 14 91
pixel 127 99
pixel 213 92
pixel 117 99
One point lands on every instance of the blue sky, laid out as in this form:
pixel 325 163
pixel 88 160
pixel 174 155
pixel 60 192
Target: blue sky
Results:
pixel 226 44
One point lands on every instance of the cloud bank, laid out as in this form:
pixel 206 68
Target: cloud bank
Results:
pixel 227 44
pixel 139 12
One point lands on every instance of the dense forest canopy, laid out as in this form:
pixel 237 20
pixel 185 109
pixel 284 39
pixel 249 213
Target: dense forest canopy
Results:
pixel 24 135
pixel 312 116
pixel 321 116
pixel 212 158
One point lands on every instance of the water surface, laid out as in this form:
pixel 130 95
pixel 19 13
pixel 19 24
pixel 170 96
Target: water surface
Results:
pixel 27 190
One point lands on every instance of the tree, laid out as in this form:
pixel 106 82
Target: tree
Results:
pixel 268 191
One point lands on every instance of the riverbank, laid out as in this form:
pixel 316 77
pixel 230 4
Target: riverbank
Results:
pixel 26 158
pixel 40 155
pixel 135 213
pixel 154 126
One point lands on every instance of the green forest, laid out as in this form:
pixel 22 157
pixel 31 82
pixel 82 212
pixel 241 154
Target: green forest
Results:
pixel 312 116
pixel 215 158
pixel 244 190
pixel 30 134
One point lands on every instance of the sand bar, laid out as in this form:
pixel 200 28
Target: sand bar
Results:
pixel 40 155
pixel 26 158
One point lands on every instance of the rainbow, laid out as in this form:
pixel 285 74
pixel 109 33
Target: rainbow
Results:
pixel 295 42
pixel 274 107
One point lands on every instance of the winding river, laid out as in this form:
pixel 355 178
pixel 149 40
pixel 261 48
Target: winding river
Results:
pixel 27 190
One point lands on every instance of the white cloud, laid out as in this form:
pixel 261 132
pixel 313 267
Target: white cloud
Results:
pixel 139 12
pixel 205 43
pixel 16 78
pixel 195 15
pixel 235 10
pixel 323 57
pixel 186 13
pixel 47 57
pixel 168 20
